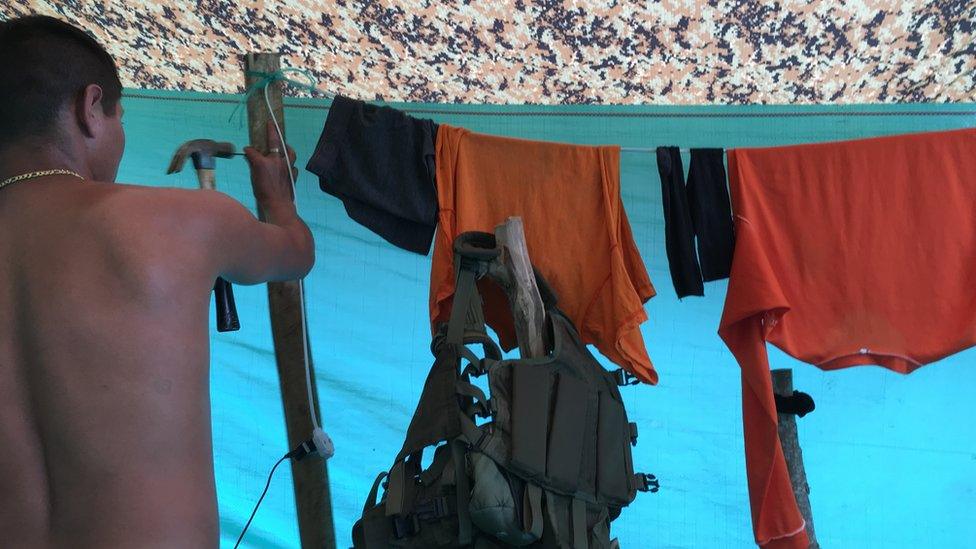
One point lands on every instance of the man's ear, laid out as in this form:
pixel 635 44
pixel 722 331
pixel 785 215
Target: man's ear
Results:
pixel 88 110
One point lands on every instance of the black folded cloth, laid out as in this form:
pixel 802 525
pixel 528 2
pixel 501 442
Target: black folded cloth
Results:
pixel 380 162
pixel 799 404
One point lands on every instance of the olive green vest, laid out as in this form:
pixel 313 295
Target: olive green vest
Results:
pixel 544 462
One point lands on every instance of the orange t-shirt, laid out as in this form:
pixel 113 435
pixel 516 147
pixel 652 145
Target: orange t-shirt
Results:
pixel 847 253
pixel 577 233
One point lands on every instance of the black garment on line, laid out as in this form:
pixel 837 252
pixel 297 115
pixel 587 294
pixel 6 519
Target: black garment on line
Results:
pixel 380 163
pixel 679 233
pixel 711 212
pixel 699 209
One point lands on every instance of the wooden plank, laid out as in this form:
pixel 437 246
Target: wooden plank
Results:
pixel 789 439
pixel 523 293
pixel 311 478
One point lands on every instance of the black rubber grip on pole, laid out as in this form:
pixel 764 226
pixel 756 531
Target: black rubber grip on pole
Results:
pixel 227 319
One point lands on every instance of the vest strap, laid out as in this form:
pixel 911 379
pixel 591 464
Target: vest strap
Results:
pixel 465 291
pixel 580 538
pixel 371 498
pixel 395 489
pixel 483 406
pixel 463 492
pixel 532 510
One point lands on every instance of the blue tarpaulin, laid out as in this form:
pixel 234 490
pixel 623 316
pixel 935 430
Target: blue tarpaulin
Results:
pixel 891 459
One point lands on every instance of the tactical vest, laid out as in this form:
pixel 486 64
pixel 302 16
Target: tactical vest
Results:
pixel 544 462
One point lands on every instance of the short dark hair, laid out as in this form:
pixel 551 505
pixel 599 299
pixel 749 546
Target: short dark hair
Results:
pixel 47 63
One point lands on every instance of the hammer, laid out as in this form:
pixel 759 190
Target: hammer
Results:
pixel 203 153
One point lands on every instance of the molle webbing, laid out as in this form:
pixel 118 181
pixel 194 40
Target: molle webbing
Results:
pixel 568 428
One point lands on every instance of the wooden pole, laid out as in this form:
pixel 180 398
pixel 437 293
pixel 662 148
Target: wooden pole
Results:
pixel 311 477
pixel 783 386
pixel 527 308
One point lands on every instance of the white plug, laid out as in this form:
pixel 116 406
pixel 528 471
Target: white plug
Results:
pixel 323 444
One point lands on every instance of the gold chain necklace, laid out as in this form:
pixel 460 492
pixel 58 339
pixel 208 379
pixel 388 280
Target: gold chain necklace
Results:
pixel 33 175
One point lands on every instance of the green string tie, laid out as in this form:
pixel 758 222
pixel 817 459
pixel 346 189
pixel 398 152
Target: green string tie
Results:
pixel 267 78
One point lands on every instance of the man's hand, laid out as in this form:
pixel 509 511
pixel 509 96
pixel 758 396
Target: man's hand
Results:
pixel 269 172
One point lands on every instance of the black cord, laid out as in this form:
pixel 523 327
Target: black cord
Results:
pixel 256 505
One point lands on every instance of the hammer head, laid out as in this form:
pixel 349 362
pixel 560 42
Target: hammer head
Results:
pixel 202 152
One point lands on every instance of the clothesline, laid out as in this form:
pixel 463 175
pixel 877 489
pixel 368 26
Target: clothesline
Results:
pixel 280 76
pixel 647 150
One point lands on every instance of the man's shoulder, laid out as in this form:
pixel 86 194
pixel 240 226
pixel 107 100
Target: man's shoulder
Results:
pixel 155 223
pixel 167 204
pixel 151 215
pixel 160 195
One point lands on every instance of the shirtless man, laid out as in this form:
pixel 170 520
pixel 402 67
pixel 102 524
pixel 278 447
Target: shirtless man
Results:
pixel 104 307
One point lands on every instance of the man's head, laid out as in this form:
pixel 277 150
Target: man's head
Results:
pixel 60 89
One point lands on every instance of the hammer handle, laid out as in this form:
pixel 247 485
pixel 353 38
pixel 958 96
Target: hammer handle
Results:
pixel 207 178
pixel 226 311
pixel 227 319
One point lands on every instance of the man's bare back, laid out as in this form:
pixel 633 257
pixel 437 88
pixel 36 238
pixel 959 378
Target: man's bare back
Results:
pixel 104 294
pixel 104 393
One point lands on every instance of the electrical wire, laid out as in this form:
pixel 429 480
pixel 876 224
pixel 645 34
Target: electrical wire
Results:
pixel 260 499
pixel 301 296
pixel 301 282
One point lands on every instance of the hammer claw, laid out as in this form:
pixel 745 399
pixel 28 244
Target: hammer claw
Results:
pixel 202 151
